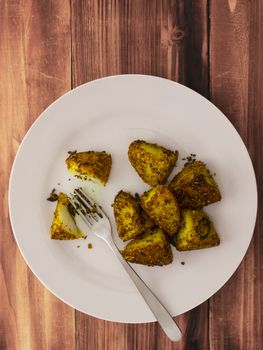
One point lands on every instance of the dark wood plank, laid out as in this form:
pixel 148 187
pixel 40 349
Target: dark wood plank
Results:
pixel 35 69
pixel 236 88
pixel 163 38
pixel 196 54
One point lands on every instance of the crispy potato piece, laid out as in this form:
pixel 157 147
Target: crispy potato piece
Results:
pixel 63 225
pixel 91 165
pixel 128 218
pixel 194 186
pixel 152 249
pixel 153 163
pixel 148 223
pixel 196 232
pixel 161 206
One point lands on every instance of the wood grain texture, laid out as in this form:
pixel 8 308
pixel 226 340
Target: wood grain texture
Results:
pixel 143 37
pixel 236 88
pixel 160 38
pixel 34 70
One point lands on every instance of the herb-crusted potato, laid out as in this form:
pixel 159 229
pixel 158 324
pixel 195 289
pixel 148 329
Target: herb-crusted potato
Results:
pixel 152 249
pixel 148 223
pixel 91 165
pixel 128 218
pixel 153 163
pixel 161 206
pixel 196 232
pixel 194 186
pixel 63 225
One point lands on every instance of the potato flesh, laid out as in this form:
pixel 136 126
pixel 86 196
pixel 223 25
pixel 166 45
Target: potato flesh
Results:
pixel 194 187
pixel 197 231
pixel 162 207
pixel 152 162
pixel 152 249
pixel 63 225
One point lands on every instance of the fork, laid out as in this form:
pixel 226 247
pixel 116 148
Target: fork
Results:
pixel 99 224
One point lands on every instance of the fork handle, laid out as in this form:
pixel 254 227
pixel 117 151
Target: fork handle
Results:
pixel 161 314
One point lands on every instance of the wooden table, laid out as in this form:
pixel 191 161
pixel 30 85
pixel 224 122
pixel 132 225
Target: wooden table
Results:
pixel 49 47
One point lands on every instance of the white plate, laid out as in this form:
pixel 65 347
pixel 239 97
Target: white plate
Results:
pixel 108 114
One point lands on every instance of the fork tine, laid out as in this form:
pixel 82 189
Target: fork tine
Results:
pixel 89 211
pixel 86 202
pixel 79 212
pixel 89 202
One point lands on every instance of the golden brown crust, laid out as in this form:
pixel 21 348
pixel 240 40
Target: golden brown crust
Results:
pixel 59 228
pixel 127 213
pixel 162 207
pixel 60 234
pixel 196 232
pixel 152 162
pixel 152 249
pixel 194 186
pixel 147 222
pixel 90 165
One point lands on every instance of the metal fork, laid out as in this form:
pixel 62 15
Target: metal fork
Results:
pixel 99 224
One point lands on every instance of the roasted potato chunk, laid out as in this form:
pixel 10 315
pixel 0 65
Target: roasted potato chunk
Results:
pixel 152 249
pixel 91 165
pixel 196 232
pixel 153 163
pixel 148 223
pixel 161 206
pixel 194 186
pixel 63 225
pixel 128 218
